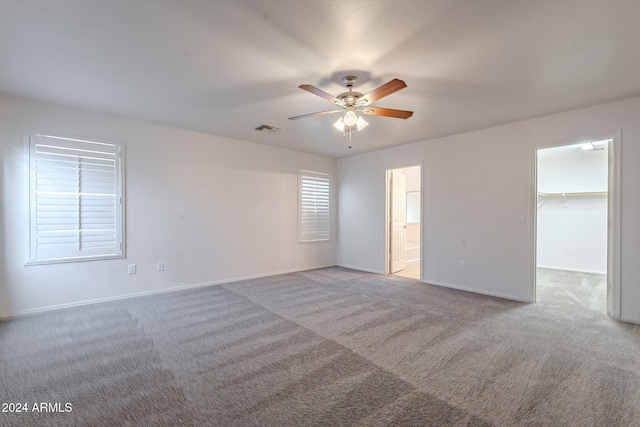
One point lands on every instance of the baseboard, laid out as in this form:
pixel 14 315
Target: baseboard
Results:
pixel 475 291
pixel 366 270
pixel 574 270
pixel 38 310
pixel 629 320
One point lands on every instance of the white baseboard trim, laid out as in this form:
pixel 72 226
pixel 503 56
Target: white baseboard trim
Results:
pixel 475 291
pixel 630 320
pixel 575 270
pixel 38 310
pixel 366 270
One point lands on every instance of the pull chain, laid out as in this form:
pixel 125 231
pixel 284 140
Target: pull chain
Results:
pixel 344 135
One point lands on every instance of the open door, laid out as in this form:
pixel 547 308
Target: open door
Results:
pixel 398 220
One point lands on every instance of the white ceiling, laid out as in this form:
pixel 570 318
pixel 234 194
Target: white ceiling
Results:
pixel 226 67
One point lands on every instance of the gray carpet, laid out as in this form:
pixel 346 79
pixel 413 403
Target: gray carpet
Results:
pixel 330 347
pixel 570 288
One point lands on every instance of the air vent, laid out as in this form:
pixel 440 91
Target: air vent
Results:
pixel 268 128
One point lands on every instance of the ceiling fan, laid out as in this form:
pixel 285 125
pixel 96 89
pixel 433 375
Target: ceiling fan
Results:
pixel 351 103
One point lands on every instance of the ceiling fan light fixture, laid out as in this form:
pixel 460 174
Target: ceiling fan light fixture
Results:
pixel 339 124
pixel 361 123
pixel 350 118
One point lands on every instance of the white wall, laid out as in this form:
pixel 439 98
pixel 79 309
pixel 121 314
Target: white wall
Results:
pixel 570 169
pixel 572 231
pixel 211 208
pixel 475 188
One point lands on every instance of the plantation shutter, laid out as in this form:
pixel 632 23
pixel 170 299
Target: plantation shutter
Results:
pixel 76 199
pixel 314 207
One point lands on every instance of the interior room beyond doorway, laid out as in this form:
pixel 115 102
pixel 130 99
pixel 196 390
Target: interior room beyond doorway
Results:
pixel 571 225
pixel 403 209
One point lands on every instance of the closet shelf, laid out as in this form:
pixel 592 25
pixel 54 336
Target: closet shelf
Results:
pixel 583 193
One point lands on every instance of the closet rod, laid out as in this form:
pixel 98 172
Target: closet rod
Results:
pixel 585 193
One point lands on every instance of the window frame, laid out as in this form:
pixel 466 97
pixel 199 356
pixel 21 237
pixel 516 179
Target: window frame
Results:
pixel 316 177
pixel 118 150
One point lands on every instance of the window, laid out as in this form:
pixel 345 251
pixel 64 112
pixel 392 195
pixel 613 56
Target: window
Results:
pixel 76 203
pixel 313 207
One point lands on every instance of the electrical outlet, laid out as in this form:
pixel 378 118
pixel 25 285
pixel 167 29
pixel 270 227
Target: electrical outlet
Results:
pixel 160 266
pixel 461 264
pixel 131 269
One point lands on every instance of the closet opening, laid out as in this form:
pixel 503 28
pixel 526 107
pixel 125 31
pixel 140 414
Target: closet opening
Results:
pixel 573 230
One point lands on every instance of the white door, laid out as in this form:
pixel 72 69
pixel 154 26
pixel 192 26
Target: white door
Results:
pixel 398 218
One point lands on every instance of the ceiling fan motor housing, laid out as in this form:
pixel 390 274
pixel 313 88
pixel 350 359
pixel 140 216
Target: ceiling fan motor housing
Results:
pixel 350 98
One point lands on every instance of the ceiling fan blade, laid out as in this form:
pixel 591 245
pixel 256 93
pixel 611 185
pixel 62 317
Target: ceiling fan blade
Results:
pixel 388 112
pixel 382 91
pixel 322 94
pixel 319 113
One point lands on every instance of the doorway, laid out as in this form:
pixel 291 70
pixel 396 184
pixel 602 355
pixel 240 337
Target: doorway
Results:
pixel 403 236
pixel 573 227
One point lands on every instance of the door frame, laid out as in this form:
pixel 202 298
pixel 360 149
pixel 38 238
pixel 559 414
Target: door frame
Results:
pixel 387 216
pixel 614 197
